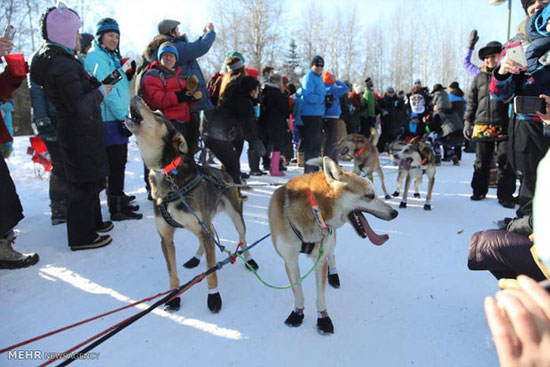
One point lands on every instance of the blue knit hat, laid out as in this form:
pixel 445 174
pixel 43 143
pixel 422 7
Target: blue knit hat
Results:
pixel 167 47
pixel 107 25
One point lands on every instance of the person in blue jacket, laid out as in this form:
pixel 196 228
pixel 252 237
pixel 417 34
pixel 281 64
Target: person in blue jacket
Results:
pixel 103 58
pixel 189 52
pixel 312 110
pixel 334 90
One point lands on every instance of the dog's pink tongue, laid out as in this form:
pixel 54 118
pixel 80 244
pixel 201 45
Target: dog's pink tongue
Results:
pixel 375 238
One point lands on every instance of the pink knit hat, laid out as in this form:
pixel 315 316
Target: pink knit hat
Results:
pixel 62 24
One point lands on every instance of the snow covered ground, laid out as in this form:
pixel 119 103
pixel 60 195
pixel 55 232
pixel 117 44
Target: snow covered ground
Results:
pixel 410 302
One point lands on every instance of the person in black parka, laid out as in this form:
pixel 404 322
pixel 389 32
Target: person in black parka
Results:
pixel 76 97
pixel 482 109
pixel 233 119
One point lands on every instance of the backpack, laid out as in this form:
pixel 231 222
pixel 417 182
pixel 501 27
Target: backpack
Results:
pixel 213 87
pixel 140 71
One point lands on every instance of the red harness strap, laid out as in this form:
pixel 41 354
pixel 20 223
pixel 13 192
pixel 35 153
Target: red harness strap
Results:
pixel 359 152
pixel 172 166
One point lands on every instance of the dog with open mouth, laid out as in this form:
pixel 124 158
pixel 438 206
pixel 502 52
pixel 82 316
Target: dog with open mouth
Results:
pixel 366 159
pixel 304 215
pixel 173 175
pixel 415 160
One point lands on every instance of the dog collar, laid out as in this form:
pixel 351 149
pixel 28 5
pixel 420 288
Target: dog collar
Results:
pixel 423 161
pixel 361 151
pixel 325 229
pixel 171 168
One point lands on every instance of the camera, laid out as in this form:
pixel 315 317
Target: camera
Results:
pixel 112 78
pixel 529 105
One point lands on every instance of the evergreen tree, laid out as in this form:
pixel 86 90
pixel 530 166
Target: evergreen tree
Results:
pixel 292 62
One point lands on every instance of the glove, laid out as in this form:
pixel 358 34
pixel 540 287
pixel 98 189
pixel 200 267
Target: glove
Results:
pixel 467 132
pixel 132 71
pixel 44 129
pixel 183 96
pixel 473 39
pixel 192 83
pixel 257 145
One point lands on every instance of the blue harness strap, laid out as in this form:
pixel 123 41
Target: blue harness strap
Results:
pixel 174 196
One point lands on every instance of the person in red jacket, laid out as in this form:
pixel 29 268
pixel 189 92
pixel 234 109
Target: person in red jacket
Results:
pixel 11 211
pixel 164 88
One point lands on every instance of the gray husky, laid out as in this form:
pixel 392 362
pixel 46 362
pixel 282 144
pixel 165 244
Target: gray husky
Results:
pixel 205 193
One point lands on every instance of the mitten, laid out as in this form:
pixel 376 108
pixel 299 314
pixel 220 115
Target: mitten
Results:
pixel 192 83
pixel 184 96
pixel 195 96
pixel 473 39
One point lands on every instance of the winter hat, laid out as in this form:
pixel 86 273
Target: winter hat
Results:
pixel 167 25
pixel 390 90
pixel 249 83
pixel 167 47
pixel 234 63
pixel 526 4
pixel 418 81
pixel 493 47
pixel 235 54
pixel 437 87
pixel 317 60
pixel 106 25
pixel 276 78
pixel 369 82
pixel 326 77
pixel 86 40
pixel 60 24
pixel 454 85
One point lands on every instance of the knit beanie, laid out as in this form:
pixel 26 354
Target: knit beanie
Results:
pixel 86 40
pixel 60 24
pixel 454 85
pixel 317 60
pixel 326 77
pixel 106 25
pixel 167 47
pixel 526 4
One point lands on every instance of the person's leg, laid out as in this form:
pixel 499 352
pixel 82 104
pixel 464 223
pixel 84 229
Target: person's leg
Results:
pixel 311 140
pixel 482 166
pixel 82 214
pixel 507 177
pixel 225 151
pixel 330 127
pixel 59 186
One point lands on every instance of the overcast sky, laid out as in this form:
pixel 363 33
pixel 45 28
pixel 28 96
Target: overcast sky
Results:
pixel 139 18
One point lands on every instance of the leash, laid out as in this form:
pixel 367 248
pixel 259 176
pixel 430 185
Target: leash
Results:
pixel 113 330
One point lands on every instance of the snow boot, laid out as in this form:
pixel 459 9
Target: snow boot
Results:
pixel 275 162
pixel 59 212
pixel 214 302
pixel 295 318
pixel 100 241
pixel 119 209
pixel 324 325
pixel 11 259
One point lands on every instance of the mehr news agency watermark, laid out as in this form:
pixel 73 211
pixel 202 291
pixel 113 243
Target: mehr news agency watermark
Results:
pixel 24 355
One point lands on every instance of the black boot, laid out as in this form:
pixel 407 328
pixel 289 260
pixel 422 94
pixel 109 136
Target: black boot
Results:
pixel 119 209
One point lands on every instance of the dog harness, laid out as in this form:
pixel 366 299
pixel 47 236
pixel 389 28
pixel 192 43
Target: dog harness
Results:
pixel 326 230
pixel 175 195
pixel 359 152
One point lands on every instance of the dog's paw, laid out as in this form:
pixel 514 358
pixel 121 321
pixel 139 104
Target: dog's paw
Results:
pixel 403 205
pixel 387 197
pixel 427 207
pixel 334 280
pixel 214 302
pixel 192 263
pixel 251 264
pixel 324 326
pixel 294 319
pixel 395 194
pixel 416 195
pixel 173 305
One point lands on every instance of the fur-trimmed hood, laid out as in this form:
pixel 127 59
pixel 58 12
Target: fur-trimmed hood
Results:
pixel 154 46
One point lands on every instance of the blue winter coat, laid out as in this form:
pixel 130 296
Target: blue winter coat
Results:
pixel 338 90
pixel 114 109
pixel 313 95
pixel 189 52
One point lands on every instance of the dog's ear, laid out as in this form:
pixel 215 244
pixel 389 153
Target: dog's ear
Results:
pixel 333 172
pixel 179 143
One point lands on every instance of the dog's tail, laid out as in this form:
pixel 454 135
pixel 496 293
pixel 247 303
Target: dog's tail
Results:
pixel 374 136
pixel 317 162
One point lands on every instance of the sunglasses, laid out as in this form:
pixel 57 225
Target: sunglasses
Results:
pixel 320 65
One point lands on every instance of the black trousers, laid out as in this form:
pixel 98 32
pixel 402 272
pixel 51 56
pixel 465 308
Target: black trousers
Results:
pixel 330 131
pixel 59 186
pixel 190 131
pixel 228 154
pixel 117 156
pixel 366 124
pixel 11 211
pixel 83 213
pixel 507 178
pixel 311 140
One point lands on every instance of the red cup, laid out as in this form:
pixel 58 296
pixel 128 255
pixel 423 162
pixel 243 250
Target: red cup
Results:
pixel 17 64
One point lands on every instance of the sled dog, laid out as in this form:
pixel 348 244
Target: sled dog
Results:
pixel 304 215
pixel 366 159
pixel 164 151
pixel 415 159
